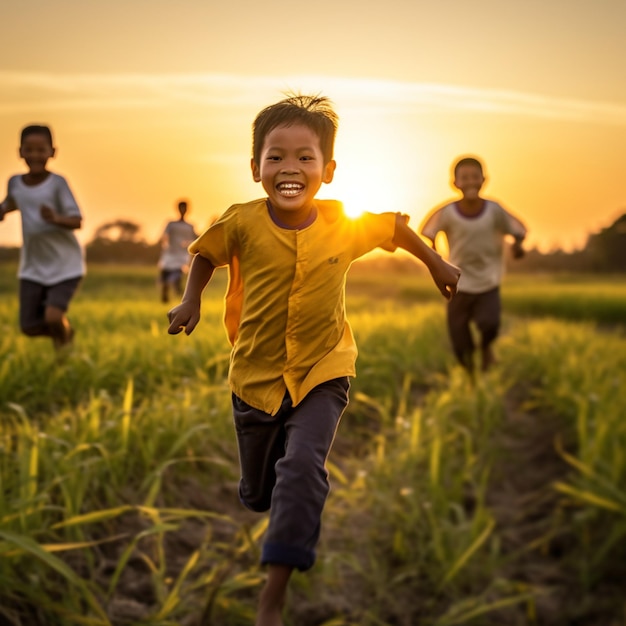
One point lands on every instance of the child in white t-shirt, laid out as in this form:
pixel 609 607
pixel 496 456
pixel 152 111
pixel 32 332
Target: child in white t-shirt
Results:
pixel 174 260
pixel 476 229
pixel 51 259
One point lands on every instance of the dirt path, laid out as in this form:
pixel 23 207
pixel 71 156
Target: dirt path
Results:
pixel 531 522
pixel 523 501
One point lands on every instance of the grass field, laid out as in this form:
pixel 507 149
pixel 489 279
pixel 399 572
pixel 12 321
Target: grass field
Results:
pixel 500 503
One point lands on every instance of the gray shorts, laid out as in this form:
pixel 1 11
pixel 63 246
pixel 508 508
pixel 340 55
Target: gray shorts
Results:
pixel 35 297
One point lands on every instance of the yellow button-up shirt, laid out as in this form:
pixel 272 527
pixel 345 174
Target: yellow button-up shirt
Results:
pixel 285 305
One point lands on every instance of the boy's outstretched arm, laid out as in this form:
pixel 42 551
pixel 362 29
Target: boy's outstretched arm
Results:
pixel 7 206
pixel 445 275
pixel 186 315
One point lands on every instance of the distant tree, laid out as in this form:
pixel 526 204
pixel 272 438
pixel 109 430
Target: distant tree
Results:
pixel 607 249
pixel 553 261
pixel 120 241
pixel 119 230
pixel 604 252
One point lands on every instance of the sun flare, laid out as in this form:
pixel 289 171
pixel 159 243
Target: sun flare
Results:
pixel 358 193
pixel 369 190
pixel 375 170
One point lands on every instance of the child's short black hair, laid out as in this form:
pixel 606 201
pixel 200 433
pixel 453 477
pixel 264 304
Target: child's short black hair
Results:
pixel 468 161
pixel 36 129
pixel 316 112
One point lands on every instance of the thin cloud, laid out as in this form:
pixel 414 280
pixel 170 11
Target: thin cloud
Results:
pixel 135 91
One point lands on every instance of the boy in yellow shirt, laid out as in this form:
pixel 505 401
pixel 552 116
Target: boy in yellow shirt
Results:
pixel 293 349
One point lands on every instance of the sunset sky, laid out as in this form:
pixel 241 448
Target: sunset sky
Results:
pixel 152 101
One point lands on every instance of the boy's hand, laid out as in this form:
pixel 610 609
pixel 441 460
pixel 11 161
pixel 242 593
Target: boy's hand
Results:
pixel 446 277
pixel 518 251
pixel 48 214
pixel 185 317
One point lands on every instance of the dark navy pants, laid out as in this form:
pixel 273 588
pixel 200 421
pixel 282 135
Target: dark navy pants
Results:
pixel 481 308
pixel 283 468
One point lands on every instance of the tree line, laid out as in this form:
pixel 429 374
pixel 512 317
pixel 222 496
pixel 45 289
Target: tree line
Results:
pixel 122 241
pixel 604 252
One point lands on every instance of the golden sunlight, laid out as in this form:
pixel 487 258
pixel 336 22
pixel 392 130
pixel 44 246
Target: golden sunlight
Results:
pixel 355 198
pixel 356 179
pixel 374 188
pixel 364 188
pixel 376 170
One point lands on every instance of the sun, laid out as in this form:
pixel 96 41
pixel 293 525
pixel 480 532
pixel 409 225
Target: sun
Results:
pixel 371 174
pixel 358 192
pixel 356 200
pixel 379 188
pixel 379 170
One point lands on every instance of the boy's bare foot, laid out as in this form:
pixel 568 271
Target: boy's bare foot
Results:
pixel 63 345
pixel 64 339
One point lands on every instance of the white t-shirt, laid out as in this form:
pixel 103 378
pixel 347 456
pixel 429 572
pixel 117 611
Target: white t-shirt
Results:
pixel 179 235
pixel 475 242
pixel 50 253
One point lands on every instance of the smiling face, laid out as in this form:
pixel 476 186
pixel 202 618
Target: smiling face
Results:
pixel 36 150
pixel 469 180
pixel 291 169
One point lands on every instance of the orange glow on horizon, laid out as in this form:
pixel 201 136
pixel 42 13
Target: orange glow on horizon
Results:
pixel 126 160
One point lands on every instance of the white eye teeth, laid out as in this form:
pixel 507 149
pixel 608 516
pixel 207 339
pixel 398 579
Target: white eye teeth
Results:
pixel 290 189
